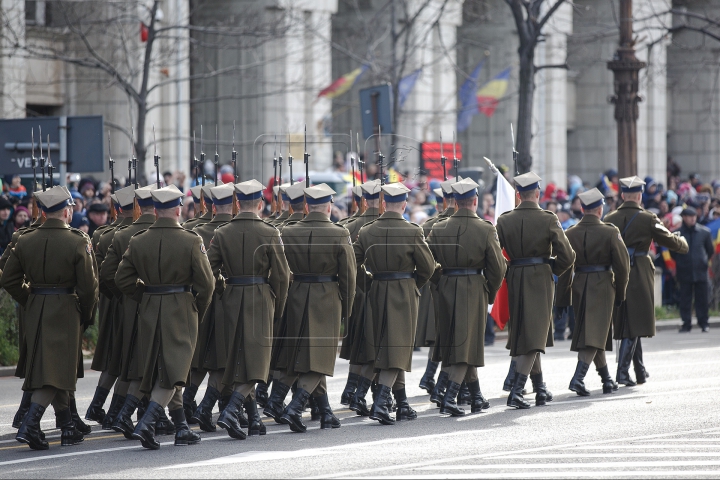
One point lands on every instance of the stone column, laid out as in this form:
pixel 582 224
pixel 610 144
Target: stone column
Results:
pixel 12 64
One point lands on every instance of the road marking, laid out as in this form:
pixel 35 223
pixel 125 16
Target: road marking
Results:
pixel 563 474
pixel 581 465
pixel 645 446
pixel 528 456
pixel 86 439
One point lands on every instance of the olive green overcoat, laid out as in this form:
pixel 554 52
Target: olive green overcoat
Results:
pixel 199 220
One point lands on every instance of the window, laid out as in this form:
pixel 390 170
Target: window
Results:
pixel 35 12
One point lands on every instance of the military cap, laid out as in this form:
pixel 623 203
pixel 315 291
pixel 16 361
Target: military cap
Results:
pixel 114 200
pixel 125 196
pixel 54 199
pixel 295 193
pixel 357 192
pixel 167 197
pixel 98 207
pixel 318 194
pixel 438 192
pixel 207 193
pixel 371 189
pixel 447 186
pixel 395 192
pixel 249 190
pixel 465 188
pixel 527 181
pixel 281 189
pixel 222 194
pixel 632 184
pixel 144 195
pixel 591 199
pixel 196 192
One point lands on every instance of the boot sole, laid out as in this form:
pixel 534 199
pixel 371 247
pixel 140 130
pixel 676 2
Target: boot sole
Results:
pixel 71 444
pixel 232 433
pixel 95 418
pixel 519 406
pixel 29 443
pixel 205 427
pixel 145 443
pixel 328 427
pixel 582 393
pixel 383 421
pixel 460 413
pixel 293 426
pixel 185 443
pixel 256 433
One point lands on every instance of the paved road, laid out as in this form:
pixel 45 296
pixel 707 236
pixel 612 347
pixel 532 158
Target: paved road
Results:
pixel 669 427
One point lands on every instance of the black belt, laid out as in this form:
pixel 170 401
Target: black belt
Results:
pixel 385 276
pixel 167 289
pixel 52 290
pixel 248 280
pixel 457 272
pixel 593 268
pixel 315 278
pixel 521 262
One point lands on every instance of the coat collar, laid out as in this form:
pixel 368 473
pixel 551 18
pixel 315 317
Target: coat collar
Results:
pixel 165 223
pixel 207 215
pixel 392 215
pixel 371 212
pixel 590 220
pixel 630 205
pixel 246 216
pixel 145 219
pixel 449 211
pixel 221 218
pixel 54 223
pixel 296 217
pixel 126 221
pixel 316 217
pixel 464 212
pixel 528 205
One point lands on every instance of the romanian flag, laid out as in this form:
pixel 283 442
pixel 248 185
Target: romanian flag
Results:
pixel 490 94
pixel 342 84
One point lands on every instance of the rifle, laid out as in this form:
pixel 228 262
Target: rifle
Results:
pixel 195 160
pixel 217 156
pixel 50 165
pixel 443 162
pixel 456 162
pixel 234 155
pixel 290 159
pixel 113 211
pixel 306 159
pixel 380 159
pixel 352 209
pixel 134 158
pixel 128 182
pixel 35 211
pixel 273 201
pixel 42 160
pixel 156 160
pixel 360 162
pixel 515 158
pixel 203 207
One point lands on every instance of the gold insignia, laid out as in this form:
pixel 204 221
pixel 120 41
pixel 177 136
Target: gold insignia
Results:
pixel 202 249
pixel 88 248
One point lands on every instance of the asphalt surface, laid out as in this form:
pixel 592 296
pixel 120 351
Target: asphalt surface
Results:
pixel 669 427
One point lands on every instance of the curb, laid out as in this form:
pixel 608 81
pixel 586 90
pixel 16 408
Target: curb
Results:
pixel 10 371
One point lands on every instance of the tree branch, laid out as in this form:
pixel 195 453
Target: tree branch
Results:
pixel 549 14
pixel 558 65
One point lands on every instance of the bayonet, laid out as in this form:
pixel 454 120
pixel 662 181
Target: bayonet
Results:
pixel 290 159
pixel 352 160
pixel 217 156
pixel 50 165
pixel 195 160
pixel 514 152
pixel 134 158
pixel 443 159
pixel 156 159
pixel 456 162
pixel 112 165
pixel 306 159
pixel 33 160
pixel 42 160
pixel 234 155
pixel 202 156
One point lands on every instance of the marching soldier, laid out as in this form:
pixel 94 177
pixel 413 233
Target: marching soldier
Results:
pixel 357 202
pixel 210 353
pixel 250 255
pixel 59 296
pixel 321 294
pixel 107 356
pixel 473 268
pixel 636 317
pixel 358 343
pixel 295 195
pixel 531 237
pixel 161 269
pixel 596 282
pixel 284 202
pixel 200 218
pixel 394 252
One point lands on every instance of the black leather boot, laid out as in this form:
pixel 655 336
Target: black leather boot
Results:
pixel 183 434
pixel 228 418
pixel 81 426
pixel 638 363
pixel 327 417
pixel 223 401
pixel 577 384
pixel 69 433
pixel 507 385
pixel 625 354
pixel 542 394
pixel 293 413
pixel 23 409
pixel 404 411
pixel 255 423
pixel 358 403
pixel 189 404
pixel 115 405
pixel 381 406
pixel 464 397
pixel 261 392
pixel 29 431
pixel 164 426
pixel 350 387
pixel 95 412
pixel 314 409
pixel 449 405
pixel 142 407
pixel 203 413
pixel 515 399
pixel 276 402
pixel 427 382
pixel 123 423
pixel 145 429
pixel 478 402
pixel 609 385
pixel 439 391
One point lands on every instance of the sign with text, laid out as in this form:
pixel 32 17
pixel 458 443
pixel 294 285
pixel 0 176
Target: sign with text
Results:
pixel 430 158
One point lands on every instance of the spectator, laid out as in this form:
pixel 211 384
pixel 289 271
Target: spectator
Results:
pixel 692 271
pixel 79 200
pixel 87 191
pixel 168 178
pixel 6 224
pixel 97 213
pixel 80 222
pixel 17 189
pixel 21 218
pixel 576 208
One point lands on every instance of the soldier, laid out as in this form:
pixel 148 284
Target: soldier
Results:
pixel 58 296
pixel 636 317
pixel 394 252
pixel 210 353
pixel 107 358
pixel 357 202
pixel 537 247
pixel 358 343
pixel 596 282
pixel 126 398
pixel 321 259
pixel 295 195
pixel 200 218
pixel 473 268
pixel 161 269
pixel 250 255
pixel 284 205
